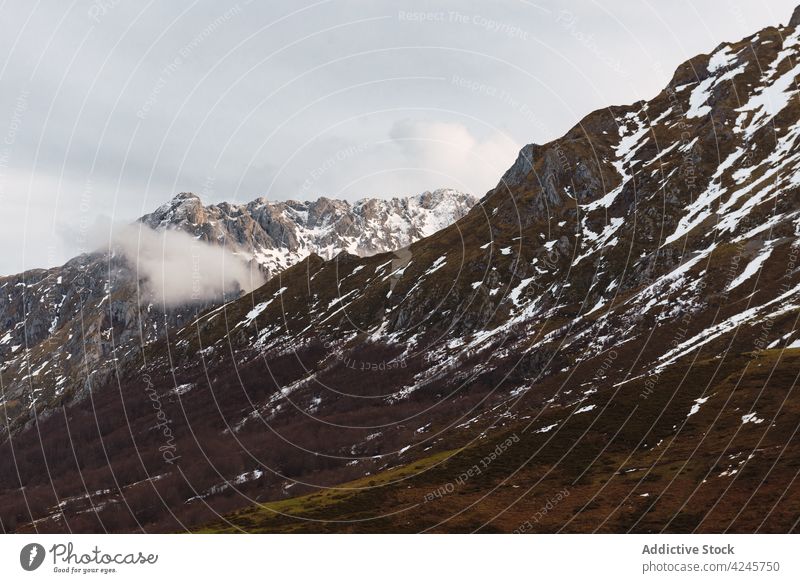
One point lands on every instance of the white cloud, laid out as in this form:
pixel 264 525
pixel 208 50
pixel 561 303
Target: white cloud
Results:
pixel 449 148
pixel 177 268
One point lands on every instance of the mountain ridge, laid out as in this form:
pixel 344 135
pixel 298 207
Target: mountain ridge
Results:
pixel 276 234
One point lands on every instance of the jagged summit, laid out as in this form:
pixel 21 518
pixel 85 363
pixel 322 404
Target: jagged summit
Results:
pixel 185 196
pixel 277 234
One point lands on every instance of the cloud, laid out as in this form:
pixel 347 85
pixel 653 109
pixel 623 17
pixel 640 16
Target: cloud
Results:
pixel 449 148
pixel 178 269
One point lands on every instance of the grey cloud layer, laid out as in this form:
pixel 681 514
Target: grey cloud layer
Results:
pixel 125 105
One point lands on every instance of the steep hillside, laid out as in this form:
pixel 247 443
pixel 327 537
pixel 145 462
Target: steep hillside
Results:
pixel 672 463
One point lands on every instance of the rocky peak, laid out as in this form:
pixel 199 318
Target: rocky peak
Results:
pixel 277 234
pixel 795 20
pixel 185 207
pixel 184 196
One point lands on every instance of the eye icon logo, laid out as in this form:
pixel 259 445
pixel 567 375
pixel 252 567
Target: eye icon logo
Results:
pixel 31 556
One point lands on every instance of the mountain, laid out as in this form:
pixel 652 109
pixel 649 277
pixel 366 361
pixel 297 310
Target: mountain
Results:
pixel 606 342
pixel 65 329
pixel 276 235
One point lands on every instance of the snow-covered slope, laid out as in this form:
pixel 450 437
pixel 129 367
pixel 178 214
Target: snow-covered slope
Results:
pixel 666 212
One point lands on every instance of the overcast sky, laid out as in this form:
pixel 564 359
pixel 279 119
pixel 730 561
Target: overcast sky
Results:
pixel 110 107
